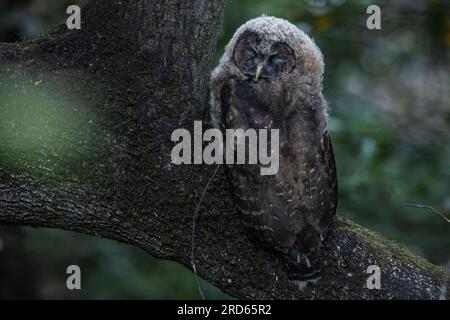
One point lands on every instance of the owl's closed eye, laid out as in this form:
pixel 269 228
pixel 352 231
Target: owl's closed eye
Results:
pixel 258 61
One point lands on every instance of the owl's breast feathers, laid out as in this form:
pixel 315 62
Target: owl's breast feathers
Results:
pixel 290 211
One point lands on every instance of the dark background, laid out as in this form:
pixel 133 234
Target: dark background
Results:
pixel 389 94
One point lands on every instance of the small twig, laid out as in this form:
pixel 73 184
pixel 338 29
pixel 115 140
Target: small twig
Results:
pixel 444 287
pixel 429 208
pixel 194 221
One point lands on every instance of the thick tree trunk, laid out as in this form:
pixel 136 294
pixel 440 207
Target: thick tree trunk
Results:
pixel 102 103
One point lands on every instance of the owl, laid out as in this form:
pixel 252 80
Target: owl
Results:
pixel 270 76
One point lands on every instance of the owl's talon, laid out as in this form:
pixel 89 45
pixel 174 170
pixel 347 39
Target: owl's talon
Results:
pixel 303 284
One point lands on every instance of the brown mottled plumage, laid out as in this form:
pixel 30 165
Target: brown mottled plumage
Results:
pixel 289 212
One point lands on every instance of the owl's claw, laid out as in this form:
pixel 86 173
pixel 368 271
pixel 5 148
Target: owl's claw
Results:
pixel 303 259
pixel 303 284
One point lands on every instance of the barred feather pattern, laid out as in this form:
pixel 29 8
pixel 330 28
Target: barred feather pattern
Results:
pixel 288 212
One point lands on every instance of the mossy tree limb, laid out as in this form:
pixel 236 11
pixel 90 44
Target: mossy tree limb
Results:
pixel 113 92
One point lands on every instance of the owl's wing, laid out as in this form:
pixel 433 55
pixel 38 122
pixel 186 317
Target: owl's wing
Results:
pixel 314 200
pixel 327 190
pixel 313 161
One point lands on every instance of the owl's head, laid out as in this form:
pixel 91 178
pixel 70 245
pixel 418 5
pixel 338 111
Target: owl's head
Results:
pixel 269 49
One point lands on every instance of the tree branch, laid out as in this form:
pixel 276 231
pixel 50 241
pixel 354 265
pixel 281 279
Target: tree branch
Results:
pixel 102 104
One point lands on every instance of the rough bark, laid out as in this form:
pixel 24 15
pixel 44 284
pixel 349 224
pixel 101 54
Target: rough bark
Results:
pixel 136 71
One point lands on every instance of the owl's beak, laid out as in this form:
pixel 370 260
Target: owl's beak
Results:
pixel 258 72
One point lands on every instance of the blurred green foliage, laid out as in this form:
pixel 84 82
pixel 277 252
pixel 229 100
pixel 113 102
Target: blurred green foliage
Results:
pixel 37 119
pixel 388 92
